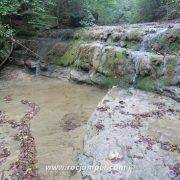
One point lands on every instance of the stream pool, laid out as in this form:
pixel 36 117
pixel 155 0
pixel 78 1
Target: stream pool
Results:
pixel 57 128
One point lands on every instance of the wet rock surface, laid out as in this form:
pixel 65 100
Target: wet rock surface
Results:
pixel 145 56
pixel 133 135
pixel 80 76
pixel 171 91
pixel 58 72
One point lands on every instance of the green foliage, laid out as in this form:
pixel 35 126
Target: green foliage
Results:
pixel 40 13
pixel 70 55
pixel 143 10
pixel 104 81
pixel 22 16
pixel 5 32
pixel 106 10
pixel 8 7
pixel 88 12
pixel 146 10
pixel 175 46
pixel 35 12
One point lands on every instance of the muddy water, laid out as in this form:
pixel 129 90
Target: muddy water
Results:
pixel 58 128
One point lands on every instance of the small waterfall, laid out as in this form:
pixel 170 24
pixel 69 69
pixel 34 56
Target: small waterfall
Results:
pixel 136 61
pixel 151 38
pixel 137 58
pixel 38 69
pixel 47 42
pixel 148 40
pixel 44 45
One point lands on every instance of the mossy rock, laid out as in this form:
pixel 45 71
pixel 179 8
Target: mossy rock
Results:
pixel 151 84
pixel 86 66
pixel 121 55
pixel 165 45
pixel 83 36
pixel 172 65
pixel 104 81
pixel 124 65
pixel 70 55
pixel 57 51
pixel 134 45
pixel 111 81
pixel 117 36
pixel 170 41
pixel 174 46
pixel 176 33
pixel 85 56
pixel 97 57
pixel 156 66
pixel 111 60
pixel 134 35
pixel 108 62
pixel 147 84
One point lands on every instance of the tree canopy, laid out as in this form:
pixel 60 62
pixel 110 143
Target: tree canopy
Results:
pixel 25 17
pixel 38 14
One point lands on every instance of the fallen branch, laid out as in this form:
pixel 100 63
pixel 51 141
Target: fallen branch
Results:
pixel 15 41
pixel 11 50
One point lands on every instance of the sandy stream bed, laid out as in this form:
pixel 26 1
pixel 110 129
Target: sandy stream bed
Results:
pixel 58 128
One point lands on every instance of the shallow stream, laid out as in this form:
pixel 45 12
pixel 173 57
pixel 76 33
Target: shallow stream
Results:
pixel 58 128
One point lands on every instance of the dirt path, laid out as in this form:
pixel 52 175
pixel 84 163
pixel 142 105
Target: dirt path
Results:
pixel 58 128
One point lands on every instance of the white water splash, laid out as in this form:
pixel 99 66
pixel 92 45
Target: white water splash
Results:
pixel 149 39
pixel 146 43
pixel 44 44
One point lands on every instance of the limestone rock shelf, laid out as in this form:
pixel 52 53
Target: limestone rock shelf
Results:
pixel 136 132
pixel 147 54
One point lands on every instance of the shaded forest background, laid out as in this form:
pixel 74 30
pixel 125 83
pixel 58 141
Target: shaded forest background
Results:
pixel 37 14
pixel 26 17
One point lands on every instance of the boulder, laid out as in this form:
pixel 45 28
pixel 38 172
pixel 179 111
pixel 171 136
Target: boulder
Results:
pixel 132 135
pixel 70 55
pixel 170 91
pixel 109 81
pixel 19 62
pixel 30 63
pixel 57 51
pixel 87 56
pixel 114 62
pixel 134 34
pixel 80 76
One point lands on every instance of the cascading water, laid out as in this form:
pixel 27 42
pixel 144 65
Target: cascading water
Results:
pixel 151 38
pixel 44 45
pixel 136 61
pixel 146 44
pixel 137 58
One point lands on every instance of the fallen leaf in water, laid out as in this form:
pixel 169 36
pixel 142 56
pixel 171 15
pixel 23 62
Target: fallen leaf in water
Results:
pixel 8 98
